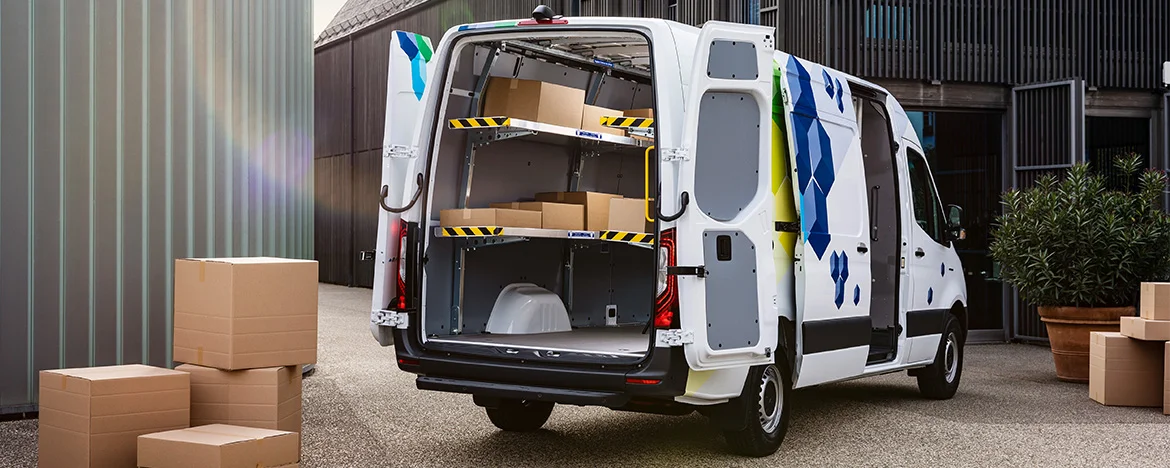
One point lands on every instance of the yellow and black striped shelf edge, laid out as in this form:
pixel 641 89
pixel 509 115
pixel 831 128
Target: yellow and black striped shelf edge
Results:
pixel 627 122
pixel 480 122
pixel 476 231
pixel 631 237
pixel 497 231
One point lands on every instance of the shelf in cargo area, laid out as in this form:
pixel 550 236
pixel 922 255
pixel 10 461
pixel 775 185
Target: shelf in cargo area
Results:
pixel 493 129
pixel 502 234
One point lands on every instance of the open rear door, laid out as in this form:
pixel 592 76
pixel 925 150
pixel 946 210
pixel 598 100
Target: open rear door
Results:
pixel 409 72
pixel 728 292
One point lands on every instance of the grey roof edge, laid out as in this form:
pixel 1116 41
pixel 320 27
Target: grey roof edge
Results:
pixel 365 18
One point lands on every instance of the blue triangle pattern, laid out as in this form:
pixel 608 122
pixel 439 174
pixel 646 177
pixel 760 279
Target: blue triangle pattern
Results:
pixel 930 296
pixel 856 294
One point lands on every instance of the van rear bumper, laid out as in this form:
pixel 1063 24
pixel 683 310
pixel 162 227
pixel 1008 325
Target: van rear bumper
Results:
pixel 580 384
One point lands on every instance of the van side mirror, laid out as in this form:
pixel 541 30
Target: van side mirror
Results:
pixel 955 222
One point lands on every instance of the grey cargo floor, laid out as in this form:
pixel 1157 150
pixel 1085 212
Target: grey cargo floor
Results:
pixel 622 341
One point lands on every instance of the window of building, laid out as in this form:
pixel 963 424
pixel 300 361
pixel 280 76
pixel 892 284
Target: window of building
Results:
pixel 927 211
pixel 887 22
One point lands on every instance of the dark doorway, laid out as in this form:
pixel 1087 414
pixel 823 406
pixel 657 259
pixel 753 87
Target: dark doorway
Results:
pixel 965 151
pixel 1110 138
pixel 877 149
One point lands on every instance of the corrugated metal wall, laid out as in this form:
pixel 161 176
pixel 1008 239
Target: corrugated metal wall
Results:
pixel 133 132
pixel 1110 44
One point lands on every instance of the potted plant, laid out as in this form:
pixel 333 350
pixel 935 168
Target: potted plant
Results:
pixel 1079 249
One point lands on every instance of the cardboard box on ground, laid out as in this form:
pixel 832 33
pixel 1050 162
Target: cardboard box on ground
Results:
pixel 553 215
pixel 268 398
pixel 92 417
pixel 1125 371
pixel 536 101
pixel 245 313
pixel 219 446
pixel 1142 329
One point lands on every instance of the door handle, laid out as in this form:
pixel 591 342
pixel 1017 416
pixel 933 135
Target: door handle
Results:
pixel 684 200
pixel 386 191
pixel 919 253
pixel 862 248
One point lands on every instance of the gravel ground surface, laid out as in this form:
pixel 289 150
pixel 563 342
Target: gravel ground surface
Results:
pixel 361 411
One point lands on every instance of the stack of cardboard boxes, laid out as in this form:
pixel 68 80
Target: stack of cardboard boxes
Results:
pixel 572 211
pixel 563 106
pixel 243 328
pixel 1132 368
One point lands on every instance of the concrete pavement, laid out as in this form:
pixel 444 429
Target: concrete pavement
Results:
pixel 360 410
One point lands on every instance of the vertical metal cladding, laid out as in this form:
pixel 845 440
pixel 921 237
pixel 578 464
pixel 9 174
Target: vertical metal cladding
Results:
pixel 134 132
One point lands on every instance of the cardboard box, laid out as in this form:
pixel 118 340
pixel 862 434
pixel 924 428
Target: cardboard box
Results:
pixel 1124 371
pixel 647 113
pixel 219 446
pixel 1155 301
pixel 1166 383
pixel 268 398
pixel 591 120
pixel 552 215
pixel 245 313
pixel 596 206
pixel 1142 329
pixel 534 100
pixel 92 417
pixel 490 217
pixel 629 215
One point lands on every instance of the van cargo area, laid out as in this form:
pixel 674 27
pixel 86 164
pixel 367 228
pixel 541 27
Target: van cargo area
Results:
pixel 538 237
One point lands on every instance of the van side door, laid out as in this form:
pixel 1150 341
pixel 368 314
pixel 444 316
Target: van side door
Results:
pixel 832 269
pixel 727 278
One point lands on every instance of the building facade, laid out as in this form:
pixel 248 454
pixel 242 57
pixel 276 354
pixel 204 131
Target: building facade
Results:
pixel 132 133
pixel 1001 91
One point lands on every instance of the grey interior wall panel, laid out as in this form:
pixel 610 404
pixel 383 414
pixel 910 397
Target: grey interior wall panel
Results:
pixel 134 132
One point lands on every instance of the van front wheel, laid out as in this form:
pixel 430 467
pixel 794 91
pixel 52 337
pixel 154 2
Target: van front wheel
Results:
pixel 520 415
pixel 940 380
pixel 766 398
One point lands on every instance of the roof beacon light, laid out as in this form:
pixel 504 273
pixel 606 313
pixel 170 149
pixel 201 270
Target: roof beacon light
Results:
pixel 543 15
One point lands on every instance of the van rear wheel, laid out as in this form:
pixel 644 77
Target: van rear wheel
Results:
pixel 520 415
pixel 940 381
pixel 765 402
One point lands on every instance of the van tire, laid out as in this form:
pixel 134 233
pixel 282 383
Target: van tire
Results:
pixel 520 415
pixel 767 386
pixel 940 381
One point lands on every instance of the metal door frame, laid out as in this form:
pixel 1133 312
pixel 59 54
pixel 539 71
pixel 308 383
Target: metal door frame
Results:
pixel 1076 102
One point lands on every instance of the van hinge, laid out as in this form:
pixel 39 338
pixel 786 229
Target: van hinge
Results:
pixel 699 271
pixel 399 152
pixel 674 154
pixel 671 338
pixel 390 318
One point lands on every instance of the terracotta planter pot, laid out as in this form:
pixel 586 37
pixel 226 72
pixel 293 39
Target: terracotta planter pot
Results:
pixel 1068 335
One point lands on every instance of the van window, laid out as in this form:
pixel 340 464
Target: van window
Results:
pixel 927 211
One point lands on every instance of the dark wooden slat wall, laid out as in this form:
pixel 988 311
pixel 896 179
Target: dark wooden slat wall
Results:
pixel 1108 43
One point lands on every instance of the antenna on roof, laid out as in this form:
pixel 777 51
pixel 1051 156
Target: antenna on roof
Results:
pixel 543 13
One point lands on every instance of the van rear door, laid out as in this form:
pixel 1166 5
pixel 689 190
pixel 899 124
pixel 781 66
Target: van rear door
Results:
pixel 727 294
pixel 409 71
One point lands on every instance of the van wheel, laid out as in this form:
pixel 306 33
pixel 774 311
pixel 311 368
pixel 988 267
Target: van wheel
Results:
pixel 520 415
pixel 940 381
pixel 766 397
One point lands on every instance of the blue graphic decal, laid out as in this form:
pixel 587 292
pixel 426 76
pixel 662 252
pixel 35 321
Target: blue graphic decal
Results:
pixel 942 270
pixel 840 94
pixel 815 167
pixel 418 68
pixel 839 272
pixel 930 295
pixel 856 294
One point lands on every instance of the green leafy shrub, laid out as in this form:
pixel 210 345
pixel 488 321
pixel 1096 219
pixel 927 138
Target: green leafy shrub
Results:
pixel 1074 242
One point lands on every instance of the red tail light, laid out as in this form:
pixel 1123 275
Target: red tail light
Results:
pixel 666 305
pixel 643 381
pixel 400 291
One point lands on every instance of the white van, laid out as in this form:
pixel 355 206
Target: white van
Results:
pixel 797 238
